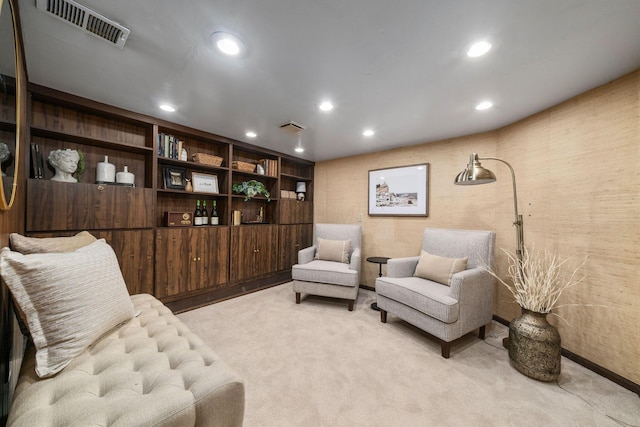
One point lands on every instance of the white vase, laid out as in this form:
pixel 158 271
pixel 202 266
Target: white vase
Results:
pixel 125 177
pixel 105 171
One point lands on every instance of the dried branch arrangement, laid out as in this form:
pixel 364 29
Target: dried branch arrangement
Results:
pixel 543 280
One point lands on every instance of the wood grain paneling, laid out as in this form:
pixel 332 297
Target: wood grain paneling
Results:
pixel 134 250
pixel 190 260
pixel 85 124
pixel 254 251
pixel 59 206
pixel 578 180
pixel 296 212
pixel 292 239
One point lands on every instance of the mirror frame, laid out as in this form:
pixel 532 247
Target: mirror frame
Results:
pixel 21 98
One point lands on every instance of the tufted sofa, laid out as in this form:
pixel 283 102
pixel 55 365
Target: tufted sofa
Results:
pixel 150 371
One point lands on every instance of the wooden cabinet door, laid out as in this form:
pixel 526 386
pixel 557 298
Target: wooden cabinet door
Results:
pixel 210 247
pixel 266 255
pixel 62 206
pixel 191 259
pixel 293 238
pixel 253 251
pixel 242 252
pixel 173 261
pixel 295 212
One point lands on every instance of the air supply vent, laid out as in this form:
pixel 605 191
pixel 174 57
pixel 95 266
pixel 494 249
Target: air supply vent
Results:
pixel 80 16
pixel 292 127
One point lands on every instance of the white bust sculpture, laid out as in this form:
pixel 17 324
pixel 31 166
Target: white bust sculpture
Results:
pixel 4 154
pixel 65 163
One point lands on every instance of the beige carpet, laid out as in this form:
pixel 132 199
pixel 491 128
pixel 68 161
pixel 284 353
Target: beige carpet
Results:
pixel 317 364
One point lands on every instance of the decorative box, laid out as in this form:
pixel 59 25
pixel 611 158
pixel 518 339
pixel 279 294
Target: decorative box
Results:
pixel 178 219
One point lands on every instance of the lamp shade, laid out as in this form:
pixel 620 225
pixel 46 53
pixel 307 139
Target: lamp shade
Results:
pixel 301 187
pixel 474 174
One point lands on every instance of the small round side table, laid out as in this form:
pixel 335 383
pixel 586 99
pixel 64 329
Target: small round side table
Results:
pixel 377 260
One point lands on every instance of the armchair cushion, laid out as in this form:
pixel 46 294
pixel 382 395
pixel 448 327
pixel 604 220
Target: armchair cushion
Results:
pixel 333 250
pixel 331 272
pixel 439 269
pixel 426 296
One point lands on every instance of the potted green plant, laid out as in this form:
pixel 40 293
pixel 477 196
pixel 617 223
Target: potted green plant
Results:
pixel 537 282
pixel 251 189
pixel 80 169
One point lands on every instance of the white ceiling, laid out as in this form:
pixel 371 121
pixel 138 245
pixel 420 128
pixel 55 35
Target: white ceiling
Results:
pixel 398 67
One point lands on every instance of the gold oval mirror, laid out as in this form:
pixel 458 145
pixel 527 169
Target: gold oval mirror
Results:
pixel 12 98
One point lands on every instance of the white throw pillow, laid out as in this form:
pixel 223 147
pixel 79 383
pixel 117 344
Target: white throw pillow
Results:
pixel 333 250
pixel 69 299
pixel 439 269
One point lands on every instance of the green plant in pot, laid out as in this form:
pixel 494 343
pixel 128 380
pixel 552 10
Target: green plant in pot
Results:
pixel 537 282
pixel 251 189
pixel 80 170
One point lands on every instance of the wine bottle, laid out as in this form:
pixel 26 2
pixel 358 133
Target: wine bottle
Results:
pixel 205 214
pixel 214 214
pixel 197 215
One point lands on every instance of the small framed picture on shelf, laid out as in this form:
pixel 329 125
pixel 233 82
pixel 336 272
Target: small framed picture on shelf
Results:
pixel 205 183
pixel 174 177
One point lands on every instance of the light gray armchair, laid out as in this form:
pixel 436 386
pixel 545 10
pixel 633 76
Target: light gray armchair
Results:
pixel 330 267
pixel 445 311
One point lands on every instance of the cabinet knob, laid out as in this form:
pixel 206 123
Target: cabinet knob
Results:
pixel 194 259
pixel 101 187
pixel 199 258
pixel 297 245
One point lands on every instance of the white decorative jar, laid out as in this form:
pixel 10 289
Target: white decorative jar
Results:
pixel 125 177
pixel 105 171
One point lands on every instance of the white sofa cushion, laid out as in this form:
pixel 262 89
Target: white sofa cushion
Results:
pixel 40 245
pixel 68 299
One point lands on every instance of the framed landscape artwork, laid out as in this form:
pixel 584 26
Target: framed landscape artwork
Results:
pixel 400 191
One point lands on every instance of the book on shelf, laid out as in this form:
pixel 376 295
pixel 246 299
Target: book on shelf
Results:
pixel 270 166
pixel 169 146
pixel 37 162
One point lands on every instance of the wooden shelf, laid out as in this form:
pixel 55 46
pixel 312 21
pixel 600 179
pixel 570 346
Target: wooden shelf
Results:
pixel 93 142
pixel 183 265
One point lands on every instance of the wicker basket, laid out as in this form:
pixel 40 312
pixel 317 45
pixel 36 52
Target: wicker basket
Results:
pixel 243 166
pixel 207 159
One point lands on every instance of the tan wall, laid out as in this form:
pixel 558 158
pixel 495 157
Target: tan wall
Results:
pixel 576 166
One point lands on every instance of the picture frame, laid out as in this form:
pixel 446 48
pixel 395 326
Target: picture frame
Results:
pixel 399 191
pixel 174 177
pixel 204 183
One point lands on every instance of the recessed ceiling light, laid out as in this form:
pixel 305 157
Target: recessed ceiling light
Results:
pixel 484 105
pixel 299 150
pixel 167 107
pixel 251 134
pixel 326 106
pixel 479 49
pixel 228 43
pixel 368 132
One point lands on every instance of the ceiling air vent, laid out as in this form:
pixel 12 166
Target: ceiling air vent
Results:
pixel 292 127
pixel 82 17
